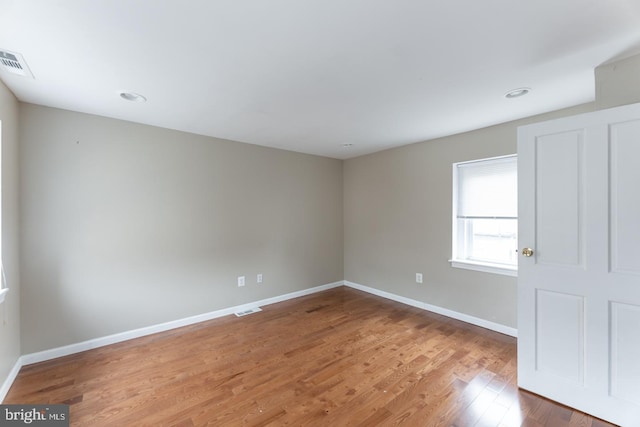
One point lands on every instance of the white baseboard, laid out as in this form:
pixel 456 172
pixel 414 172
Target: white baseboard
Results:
pixel 6 385
pixel 45 355
pixel 42 356
pixel 507 330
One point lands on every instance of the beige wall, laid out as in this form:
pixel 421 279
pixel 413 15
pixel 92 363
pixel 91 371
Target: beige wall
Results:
pixel 618 82
pixel 398 222
pixel 10 309
pixel 126 225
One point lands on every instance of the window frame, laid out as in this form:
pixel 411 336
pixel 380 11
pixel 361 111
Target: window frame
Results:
pixel 487 267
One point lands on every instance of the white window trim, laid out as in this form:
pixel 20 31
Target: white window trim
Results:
pixel 485 267
pixel 3 283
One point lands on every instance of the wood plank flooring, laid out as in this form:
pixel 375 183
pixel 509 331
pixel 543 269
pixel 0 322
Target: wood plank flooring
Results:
pixel 336 358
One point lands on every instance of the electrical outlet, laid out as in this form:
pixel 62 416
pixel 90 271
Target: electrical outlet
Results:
pixel 240 280
pixel 418 277
pixel 259 278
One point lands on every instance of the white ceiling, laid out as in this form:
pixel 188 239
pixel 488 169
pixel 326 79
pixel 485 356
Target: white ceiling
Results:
pixel 311 75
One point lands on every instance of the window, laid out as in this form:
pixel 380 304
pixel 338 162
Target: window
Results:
pixel 485 215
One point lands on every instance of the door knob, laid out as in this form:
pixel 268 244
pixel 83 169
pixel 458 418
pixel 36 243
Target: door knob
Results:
pixel 527 252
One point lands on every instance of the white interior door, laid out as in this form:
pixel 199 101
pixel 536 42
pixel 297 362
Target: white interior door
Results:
pixel 579 291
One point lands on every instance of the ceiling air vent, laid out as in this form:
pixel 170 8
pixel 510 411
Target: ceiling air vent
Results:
pixel 14 63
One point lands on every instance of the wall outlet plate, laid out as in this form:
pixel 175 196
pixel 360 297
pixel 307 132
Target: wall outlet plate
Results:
pixel 259 278
pixel 240 280
pixel 418 277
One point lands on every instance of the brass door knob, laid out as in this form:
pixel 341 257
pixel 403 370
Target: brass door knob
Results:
pixel 527 252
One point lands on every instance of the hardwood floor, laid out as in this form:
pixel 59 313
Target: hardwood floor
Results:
pixel 336 358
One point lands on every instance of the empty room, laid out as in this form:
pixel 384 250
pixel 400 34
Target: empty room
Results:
pixel 370 213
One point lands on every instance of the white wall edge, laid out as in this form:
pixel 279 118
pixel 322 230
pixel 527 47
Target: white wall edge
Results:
pixel 6 385
pixel 54 353
pixel 3 293
pixel 497 327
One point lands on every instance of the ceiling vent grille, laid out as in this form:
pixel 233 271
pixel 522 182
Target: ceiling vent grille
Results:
pixel 14 63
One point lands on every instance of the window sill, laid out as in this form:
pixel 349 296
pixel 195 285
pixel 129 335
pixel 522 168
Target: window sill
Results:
pixel 485 267
pixel 3 292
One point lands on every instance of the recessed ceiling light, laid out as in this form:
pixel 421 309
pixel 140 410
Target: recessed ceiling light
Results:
pixel 132 96
pixel 347 145
pixel 515 93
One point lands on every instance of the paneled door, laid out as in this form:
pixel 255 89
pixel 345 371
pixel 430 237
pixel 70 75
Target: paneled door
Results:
pixel 579 266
